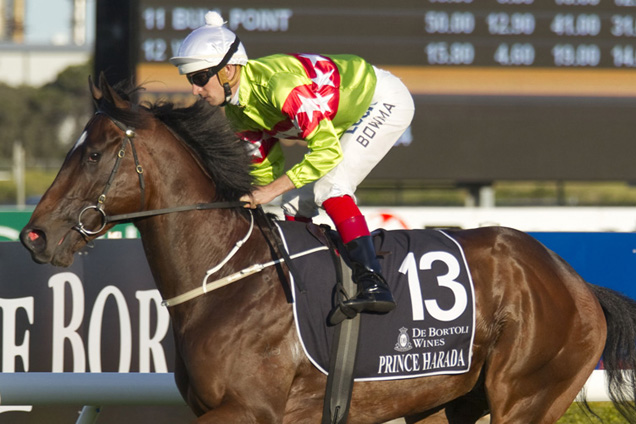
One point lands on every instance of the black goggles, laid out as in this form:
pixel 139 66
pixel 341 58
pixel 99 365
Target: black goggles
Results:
pixel 201 78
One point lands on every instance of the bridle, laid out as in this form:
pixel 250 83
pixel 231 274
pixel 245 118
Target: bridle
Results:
pixel 129 135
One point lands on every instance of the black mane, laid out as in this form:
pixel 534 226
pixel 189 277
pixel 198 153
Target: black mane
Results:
pixel 202 127
pixel 206 130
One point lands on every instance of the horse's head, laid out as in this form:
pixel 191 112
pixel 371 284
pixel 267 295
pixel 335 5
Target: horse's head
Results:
pixel 131 158
pixel 103 161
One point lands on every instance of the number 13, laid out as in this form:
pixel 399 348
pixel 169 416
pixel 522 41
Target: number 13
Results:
pixel 409 268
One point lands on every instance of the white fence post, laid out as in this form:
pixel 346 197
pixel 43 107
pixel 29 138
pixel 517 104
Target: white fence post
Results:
pixel 89 415
pixel 19 174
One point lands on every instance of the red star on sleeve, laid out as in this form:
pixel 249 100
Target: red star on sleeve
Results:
pixel 308 104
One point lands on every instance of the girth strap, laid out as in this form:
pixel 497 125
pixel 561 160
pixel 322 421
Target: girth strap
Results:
pixel 273 235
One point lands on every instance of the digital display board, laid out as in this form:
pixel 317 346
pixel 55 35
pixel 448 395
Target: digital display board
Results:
pixel 501 33
pixel 504 89
pixel 457 34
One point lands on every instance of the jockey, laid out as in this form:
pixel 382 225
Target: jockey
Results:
pixel 349 112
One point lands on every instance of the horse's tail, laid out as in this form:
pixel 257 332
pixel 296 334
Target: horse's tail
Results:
pixel 619 354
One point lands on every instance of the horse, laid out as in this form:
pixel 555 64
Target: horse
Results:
pixel 540 328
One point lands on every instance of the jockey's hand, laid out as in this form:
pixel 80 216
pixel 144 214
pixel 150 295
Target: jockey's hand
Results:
pixel 250 202
pixel 261 195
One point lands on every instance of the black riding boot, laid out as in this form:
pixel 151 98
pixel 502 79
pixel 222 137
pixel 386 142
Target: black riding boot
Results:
pixel 373 294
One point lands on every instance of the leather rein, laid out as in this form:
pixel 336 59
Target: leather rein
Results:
pixel 129 135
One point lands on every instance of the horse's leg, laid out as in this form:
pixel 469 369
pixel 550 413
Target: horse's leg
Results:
pixel 228 413
pixel 263 401
pixel 249 381
pixel 523 390
pixel 464 410
pixel 549 343
pixel 430 417
pixel 305 400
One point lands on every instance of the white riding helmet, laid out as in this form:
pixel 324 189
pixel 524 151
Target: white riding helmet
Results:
pixel 211 45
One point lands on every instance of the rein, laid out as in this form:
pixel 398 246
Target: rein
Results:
pixel 195 207
pixel 129 135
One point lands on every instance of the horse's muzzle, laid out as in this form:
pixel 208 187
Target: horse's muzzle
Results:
pixel 35 241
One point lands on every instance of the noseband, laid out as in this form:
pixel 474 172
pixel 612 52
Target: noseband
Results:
pixel 129 135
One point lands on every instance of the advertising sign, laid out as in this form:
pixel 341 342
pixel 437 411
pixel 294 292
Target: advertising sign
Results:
pixel 102 314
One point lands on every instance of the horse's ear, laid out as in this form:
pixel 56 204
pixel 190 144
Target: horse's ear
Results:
pixel 95 91
pixel 110 94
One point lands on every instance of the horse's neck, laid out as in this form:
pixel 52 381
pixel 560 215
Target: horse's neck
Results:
pixel 182 246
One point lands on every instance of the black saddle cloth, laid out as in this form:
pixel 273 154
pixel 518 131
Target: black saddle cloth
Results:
pixel 430 332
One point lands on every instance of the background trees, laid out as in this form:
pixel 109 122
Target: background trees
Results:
pixel 45 120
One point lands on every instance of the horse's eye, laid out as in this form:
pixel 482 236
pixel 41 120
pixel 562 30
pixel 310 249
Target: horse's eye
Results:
pixel 94 157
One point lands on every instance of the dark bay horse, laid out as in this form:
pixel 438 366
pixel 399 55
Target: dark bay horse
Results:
pixel 540 329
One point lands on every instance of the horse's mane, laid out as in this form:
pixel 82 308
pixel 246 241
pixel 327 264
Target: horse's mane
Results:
pixel 202 127
pixel 206 130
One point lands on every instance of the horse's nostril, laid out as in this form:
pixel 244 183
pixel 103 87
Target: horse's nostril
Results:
pixel 35 240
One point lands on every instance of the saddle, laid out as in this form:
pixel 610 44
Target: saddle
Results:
pixel 346 336
pixel 429 333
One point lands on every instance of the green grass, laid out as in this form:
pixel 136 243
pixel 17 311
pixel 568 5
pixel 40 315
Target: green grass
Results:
pixel 605 410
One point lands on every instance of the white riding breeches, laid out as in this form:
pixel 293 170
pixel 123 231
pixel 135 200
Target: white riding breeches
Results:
pixel 363 147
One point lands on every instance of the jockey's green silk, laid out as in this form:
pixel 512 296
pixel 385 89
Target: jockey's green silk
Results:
pixel 303 96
